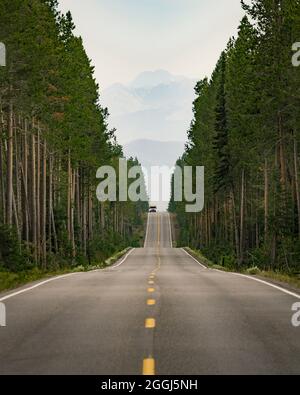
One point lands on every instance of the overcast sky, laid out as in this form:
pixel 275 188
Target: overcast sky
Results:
pixel 126 37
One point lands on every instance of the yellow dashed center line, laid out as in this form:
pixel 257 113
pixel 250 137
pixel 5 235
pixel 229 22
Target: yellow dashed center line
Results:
pixel 151 302
pixel 149 367
pixel 150 323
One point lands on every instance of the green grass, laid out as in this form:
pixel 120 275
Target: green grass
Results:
pixel 10 280
pixel 252 271
pixel 282 277
pixel 206 262
pixel 198 255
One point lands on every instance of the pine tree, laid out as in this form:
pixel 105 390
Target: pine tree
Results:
pixel 53 137
pixel 222 172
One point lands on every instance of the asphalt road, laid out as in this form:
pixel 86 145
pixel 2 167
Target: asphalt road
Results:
pixel 156 312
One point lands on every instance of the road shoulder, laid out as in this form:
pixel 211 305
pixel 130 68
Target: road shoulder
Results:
pixel 45 278
pixel 204 261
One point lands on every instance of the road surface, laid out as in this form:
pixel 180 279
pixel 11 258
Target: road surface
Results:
pixel 156 312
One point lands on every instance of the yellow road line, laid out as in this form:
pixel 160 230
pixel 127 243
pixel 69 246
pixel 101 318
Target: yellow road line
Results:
pixel 150 323
pixel 151 302
pixel 149 367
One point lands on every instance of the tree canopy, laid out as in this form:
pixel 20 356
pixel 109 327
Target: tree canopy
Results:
pixel 245 132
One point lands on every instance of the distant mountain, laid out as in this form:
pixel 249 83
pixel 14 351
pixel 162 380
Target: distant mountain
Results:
pixel 120 100
pixel 152 115
pixel 150 79
pixel 156 106
pixel 155 153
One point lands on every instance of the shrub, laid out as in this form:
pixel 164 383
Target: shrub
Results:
pixel 12 257
pixel 253 270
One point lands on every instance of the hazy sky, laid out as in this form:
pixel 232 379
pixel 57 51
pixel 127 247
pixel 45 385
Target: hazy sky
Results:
pixel 126 37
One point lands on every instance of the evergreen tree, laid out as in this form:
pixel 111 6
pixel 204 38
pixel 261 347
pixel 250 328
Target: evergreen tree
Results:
pixel 245 133
pixel 53 137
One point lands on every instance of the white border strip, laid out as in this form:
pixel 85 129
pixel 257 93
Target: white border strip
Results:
pixel 122 261
pixel 62 277
pixel 262 282
pixel 287 292
pixel 147 231
pixel 194 259
pixel 171 237
pixel 268 284
pixel 38 285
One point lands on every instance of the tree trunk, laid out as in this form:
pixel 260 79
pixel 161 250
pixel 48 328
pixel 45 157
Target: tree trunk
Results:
pixel 17 190
pixel 297 182
pixel 236 231
pixel 242 222
pixel 33 196
pixel 38 201
pixel 2 176
pixel 69 197
pixel 9 174
pixel 266 200
pixel 44 207
pixel 50 206
pixel 73 191
pixel 102 210
pixel 25 181
pixel 282 159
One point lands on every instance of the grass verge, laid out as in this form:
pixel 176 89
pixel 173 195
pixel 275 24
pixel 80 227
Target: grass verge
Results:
pixel 281 278
pixel 277 277
pixel 202 259
pixel 9 280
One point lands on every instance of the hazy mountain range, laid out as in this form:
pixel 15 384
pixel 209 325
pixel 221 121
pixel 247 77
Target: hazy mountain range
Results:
pixel 155 106
pixel 152 115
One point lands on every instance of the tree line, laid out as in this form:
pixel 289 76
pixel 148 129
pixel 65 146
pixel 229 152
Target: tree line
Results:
pixel 53 137
pixel 245 132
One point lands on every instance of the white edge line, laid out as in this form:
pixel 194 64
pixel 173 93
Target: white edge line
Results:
pixel 147 231
pixel 194 259
pixel 59 278
pixel 249 278
pixel 122 261
pixel 262 282
pixel 38 285
pixel 171 239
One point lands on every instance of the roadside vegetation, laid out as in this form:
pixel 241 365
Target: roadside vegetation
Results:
pixel 10 280
pixel 277 277
pixel 53 138
pixel 245 132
